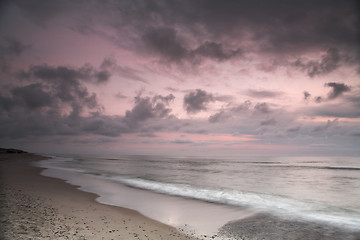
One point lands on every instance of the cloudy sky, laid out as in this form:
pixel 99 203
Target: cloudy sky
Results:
pixel 180 77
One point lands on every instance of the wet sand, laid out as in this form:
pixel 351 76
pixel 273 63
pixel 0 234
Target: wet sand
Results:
pixel 264 226
pixel 38 207
pixel 33 206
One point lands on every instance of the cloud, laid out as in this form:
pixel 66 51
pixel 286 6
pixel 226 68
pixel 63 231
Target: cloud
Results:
pixel 318 99
pixel 337 89
pixel 33 96
pixel 54 92
pixel 294 27
pixel 165 42
pixel 216 51
pixel 262 108
pixel 293 129
pixel 167 99
pixel 307 95
pixel 328 63
pixel 347 107
pixel 66 85
pixel 355 134
pixel 263 93
pixel 109 65
pixel 130 73
pixel 10 48
pixel 268 122
pixel 6 103
pixel 148 135
pixel 34 110
pixel 120 95
pixel 329 124
pixel 197 101
pixel 182 141
pixel 146 108
pixel 231 111
pixel 86 73
pixel 219 116
pixel 40 12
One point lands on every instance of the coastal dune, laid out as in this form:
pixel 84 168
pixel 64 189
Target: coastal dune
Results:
pixel 39 207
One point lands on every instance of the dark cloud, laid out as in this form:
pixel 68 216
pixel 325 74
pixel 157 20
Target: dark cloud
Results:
pixel 242 107
pixel 33 96
pixel 318 99
pixel 130 74
pixel 263 93
pixel 293 129
pixel 86 73
pixel 219 117
pixel 268 122
pixel 109 65
pixel 329 124
pixel 262 108
pixel 54 91
pixel 172 89
pixel 146 108
pixel 337 89
pixel 216 51
pixel 279 27
pixel 6 103
pixel 182 141
pixel 346 109
pixel 166 43
pixel 307 95
pixel 229 112
pixel 41 11
pixel 328 63
pixel 167 99
pixel 27 115
pixel 148 135
pixel 10 48
pixel 197 101
pixel 355 134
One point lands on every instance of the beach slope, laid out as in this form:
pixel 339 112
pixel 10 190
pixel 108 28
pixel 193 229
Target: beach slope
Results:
pixel 38 207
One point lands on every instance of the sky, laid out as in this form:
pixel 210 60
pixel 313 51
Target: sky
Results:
pixel 180 77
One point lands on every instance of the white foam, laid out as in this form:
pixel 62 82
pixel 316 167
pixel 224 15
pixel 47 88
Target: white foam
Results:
pixel 280 206
pixel 277 205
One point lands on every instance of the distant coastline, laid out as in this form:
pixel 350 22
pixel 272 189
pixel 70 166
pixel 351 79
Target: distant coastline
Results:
pixel 11 150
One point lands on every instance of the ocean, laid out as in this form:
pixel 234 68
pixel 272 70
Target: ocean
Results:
pixel 187 192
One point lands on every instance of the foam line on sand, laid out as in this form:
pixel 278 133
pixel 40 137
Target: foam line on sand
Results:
pixel 39 207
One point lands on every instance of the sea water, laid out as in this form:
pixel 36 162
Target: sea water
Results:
pixel 319 189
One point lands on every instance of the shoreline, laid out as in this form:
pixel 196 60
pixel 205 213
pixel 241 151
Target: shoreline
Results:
pixel 34 206
pixel 40 207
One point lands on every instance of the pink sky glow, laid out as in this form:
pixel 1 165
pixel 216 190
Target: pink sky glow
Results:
pixel 195 77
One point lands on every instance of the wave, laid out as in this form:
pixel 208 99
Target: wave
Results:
pixel 342 168
pixel 347 168
pixel 276 205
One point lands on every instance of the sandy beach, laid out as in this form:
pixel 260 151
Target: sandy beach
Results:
pixel 38 207
pixel 34 206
